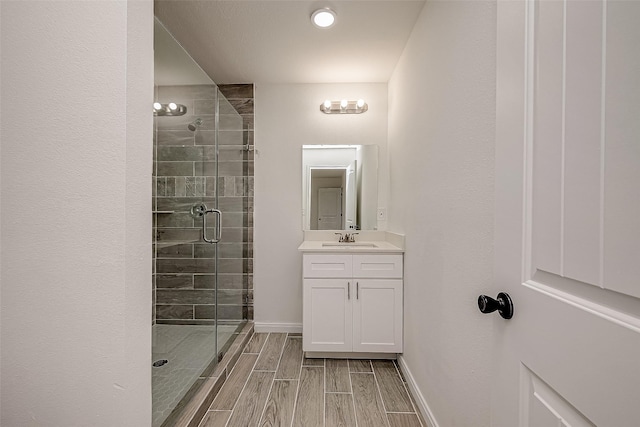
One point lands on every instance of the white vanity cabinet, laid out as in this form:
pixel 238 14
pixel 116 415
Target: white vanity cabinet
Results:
pixel 352 303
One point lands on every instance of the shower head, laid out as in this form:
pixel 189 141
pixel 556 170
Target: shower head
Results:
pixel 195 124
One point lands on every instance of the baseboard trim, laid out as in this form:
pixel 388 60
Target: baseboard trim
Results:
pixel 423 407
pixel 278 327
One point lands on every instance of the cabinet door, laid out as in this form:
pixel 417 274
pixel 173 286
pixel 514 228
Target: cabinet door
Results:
pixel 327 315
pixel 377 316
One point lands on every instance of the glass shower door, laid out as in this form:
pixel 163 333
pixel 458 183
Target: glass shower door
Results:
pixel 185 169
pixel 201 227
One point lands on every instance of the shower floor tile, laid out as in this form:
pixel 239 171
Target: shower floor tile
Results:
pixel 189 349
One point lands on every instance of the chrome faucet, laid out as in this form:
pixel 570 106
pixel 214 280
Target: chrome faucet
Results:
pixel 346 238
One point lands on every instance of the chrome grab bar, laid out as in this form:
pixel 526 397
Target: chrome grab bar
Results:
pixel 200 210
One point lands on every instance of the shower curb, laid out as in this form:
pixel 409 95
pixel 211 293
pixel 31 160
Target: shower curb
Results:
pixel 207 387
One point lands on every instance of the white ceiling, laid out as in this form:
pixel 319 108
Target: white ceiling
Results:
pixel 243 41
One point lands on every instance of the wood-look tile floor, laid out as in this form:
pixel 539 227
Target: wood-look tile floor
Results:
pixel 272 384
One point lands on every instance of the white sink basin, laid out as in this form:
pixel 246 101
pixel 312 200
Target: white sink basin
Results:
pixel 349 245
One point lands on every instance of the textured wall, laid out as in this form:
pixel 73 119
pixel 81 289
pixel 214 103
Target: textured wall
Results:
pixel 441 149
pixel 77 85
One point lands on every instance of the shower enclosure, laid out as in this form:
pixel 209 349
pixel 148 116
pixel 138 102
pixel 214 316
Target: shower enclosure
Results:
pixel 202 226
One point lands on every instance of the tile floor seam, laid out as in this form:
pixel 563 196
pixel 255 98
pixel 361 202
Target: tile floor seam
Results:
pixel 261 347
pixel 241 391
pixel 295 400
pixel 375 379
pixel 353 399
pixel 284 344
pixel 411 398
pixel 324 395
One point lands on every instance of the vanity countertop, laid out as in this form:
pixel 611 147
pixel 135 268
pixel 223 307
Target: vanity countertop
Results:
pixel 332 246
pixel 366 242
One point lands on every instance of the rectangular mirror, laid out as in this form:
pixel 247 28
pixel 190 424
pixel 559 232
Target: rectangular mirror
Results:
pixel 339 187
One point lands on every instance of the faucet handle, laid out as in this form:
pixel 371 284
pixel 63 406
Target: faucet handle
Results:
pixel 352 239
pixel 341 239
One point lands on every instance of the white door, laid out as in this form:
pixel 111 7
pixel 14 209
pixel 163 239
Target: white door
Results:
pixel 350 198
pixel 327 312
pixel 377 315
pixel 568 214
pixel 329 209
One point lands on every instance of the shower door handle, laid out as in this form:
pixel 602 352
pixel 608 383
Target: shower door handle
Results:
pixel 218 236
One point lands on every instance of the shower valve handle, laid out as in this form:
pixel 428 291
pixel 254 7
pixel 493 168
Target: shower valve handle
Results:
pixel 201 210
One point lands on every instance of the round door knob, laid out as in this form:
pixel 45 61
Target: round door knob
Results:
pixel 502 303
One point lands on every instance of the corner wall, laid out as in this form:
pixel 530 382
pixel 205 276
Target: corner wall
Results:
pixel 76 138
pixel 287 117
pixel 441 150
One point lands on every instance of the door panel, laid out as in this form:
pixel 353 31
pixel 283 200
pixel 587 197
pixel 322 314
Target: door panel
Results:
pixel 622 97
pixel 543 407
pixel 329 209
pixel 568 217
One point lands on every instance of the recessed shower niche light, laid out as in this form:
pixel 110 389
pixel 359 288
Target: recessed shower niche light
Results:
pixel 323 18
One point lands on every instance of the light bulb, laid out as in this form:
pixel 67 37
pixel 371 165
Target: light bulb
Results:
pixel 344 103
pixel 360 103
pixel 323 18
pixel 327 104
pixel 157 106
pixel 173 106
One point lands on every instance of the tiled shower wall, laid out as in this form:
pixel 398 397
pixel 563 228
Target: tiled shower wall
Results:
pixel 184 173
pixel 240 96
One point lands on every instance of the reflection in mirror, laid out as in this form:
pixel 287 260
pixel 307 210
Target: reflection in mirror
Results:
pixel 339 187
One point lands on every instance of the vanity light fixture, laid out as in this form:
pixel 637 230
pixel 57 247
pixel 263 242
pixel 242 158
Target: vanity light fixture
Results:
pixel 323 18
pixel 169 109
pixel 344 107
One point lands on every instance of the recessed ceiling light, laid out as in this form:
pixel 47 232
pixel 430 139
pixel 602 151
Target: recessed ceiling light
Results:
pixel 323 18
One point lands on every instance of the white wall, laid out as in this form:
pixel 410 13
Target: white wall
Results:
pixel 288 117
pixel 441 149
pixel 76 127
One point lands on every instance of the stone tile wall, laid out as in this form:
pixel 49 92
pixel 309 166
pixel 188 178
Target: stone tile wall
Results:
pixel 240 96
pixel 184 173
